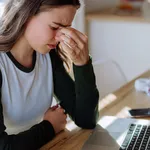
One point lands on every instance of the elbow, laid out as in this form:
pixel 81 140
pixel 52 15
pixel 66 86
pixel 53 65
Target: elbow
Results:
pixel 84 125
pixel 88 121
pixel 89 114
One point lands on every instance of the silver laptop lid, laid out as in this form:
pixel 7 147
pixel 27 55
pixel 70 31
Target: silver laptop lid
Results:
pixel 110 133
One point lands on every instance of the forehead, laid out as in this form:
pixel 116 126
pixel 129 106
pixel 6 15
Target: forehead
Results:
pixel 63 14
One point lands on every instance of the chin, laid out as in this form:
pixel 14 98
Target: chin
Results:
pixel 43 52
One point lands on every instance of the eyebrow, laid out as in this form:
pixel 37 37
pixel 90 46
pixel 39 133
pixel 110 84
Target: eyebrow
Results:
pixel 59 24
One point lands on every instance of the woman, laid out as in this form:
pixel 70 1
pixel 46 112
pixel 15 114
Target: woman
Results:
pixel 35 39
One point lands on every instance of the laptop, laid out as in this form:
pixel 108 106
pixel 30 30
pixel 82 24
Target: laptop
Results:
pixel 112 133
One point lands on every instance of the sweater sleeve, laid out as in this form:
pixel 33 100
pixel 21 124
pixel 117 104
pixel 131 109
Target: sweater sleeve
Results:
pixel 32 139
pixel 79 98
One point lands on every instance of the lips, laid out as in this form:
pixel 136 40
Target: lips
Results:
pixel 51 46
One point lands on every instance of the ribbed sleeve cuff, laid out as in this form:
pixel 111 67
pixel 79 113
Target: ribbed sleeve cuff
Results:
pixel 48 130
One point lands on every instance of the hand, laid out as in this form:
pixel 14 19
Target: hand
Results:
pixel 75 44
pixel 57 118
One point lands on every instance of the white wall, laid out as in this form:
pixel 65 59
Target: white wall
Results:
pixel 79 21
pixel 90 6
pixel 1 6
pixel 128 44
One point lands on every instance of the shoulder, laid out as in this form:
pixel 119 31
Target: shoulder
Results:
pixel 1 66
pixel 3 59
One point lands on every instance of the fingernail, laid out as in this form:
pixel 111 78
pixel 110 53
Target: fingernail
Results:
pixel 54 107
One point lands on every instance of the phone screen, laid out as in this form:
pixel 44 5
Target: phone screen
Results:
pixel 140 112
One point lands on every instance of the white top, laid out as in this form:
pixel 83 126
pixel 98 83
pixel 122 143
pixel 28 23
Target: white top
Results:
pixel 26 93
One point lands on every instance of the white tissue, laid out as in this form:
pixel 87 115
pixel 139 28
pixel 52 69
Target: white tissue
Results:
pixel 143 85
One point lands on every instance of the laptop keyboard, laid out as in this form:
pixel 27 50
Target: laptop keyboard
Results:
pixel 137 138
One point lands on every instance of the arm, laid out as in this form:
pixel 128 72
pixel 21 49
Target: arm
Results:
pixel 79 98
pixel 32 139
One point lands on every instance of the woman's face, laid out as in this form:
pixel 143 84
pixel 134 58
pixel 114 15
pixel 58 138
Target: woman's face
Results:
pixel 42 29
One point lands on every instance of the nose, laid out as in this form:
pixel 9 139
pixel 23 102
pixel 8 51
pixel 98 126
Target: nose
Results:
pixel 58 34
pixel 56 39
pixel 55 42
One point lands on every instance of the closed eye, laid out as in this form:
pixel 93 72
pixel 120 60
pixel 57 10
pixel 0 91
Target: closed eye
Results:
pixel 53 28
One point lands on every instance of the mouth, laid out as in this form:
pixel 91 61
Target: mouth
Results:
pixel 51 46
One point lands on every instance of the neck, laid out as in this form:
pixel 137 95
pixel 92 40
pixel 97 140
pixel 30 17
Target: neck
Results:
pixel 23 52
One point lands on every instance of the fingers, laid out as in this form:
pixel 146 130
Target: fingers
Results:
pixel 81 35
pixel 54 107
pixel 68 41
pixel 64 116
pixel 74 37
pixel 61 110
pixel 73 53
pixel 58 108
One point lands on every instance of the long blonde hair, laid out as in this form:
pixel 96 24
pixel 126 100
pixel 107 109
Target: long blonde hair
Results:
pixel 17 13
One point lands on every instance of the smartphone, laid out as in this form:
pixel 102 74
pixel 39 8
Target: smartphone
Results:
pixel 142 112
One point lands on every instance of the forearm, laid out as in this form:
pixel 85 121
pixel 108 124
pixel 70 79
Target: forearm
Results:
pixel 79 98
pixel 31 139
pixel 87 96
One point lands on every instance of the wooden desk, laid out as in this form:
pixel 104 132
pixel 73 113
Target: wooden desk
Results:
pixel 115 104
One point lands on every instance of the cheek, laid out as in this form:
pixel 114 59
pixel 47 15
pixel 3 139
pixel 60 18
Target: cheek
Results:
pixel 39 34
pixel 51 34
